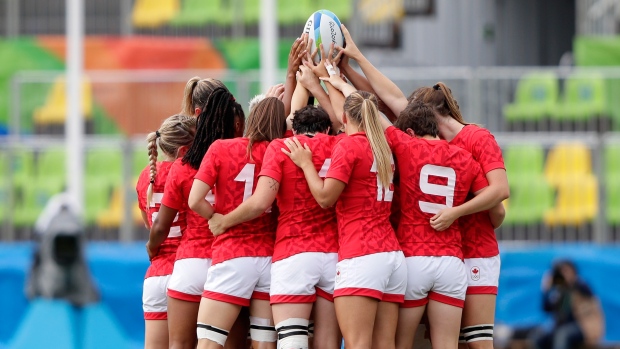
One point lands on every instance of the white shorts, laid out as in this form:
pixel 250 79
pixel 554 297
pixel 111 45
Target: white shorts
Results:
pixel 188 278
pixel 382 276
pixel 482 275
pixel 238 280
pixel 440 278
pixel 302 277
pixel 154 299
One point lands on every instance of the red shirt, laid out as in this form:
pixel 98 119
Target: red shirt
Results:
pixel 433 175
pixel 163 262
pixel 363 209
pixel 479 239
pixel 228 167
pixel 197 238
pixel 303 226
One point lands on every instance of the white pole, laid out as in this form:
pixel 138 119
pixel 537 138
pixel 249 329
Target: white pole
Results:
pixel 268 31
pixel 74 126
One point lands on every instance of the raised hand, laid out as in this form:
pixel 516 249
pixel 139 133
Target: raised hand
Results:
pixel 350 49
pixel 275 91
pixel 307 79
pixel 298 51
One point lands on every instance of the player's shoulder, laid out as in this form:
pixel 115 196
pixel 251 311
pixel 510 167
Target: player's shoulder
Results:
pixel 476 132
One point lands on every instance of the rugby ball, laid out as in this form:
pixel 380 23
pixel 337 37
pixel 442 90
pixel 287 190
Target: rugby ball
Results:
pixel 323 26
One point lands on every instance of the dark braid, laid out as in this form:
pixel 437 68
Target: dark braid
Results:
pixel 216 121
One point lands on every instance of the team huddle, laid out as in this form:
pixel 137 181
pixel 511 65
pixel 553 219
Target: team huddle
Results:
pixel 303 225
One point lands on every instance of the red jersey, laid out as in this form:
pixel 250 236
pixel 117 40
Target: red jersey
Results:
pixel 363 209
pixel 433 175
pixel 197 238
pixel 228 167
pixel 479 239
pixel 163 262
pixel 303 226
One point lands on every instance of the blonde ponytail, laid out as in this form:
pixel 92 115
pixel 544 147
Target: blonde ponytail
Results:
pixel 196 93
pixel 151 140
pixel 361 106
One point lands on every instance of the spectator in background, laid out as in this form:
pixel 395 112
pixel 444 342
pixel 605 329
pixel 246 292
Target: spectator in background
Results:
pixel 578 318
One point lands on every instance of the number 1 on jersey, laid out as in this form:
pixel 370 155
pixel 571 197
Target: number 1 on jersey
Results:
pixel 247 176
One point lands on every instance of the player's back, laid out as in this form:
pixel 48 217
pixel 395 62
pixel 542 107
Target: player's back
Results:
pixel 197 238
pixel 433 175
pixel 480 240
pixel 152 208
pixel 303 226
pixel 234 172
pixel 363 208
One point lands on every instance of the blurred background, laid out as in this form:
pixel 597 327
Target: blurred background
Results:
pixel 543 76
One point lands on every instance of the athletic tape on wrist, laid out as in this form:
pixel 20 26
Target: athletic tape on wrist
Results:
pixel 212 333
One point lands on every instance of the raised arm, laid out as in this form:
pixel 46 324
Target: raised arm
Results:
pixel 310 81
pixel 384 88
pixel 197 199
pixel 298 51
pixel 358 80
pixel 300 99
pixel 254 206
pixel 325 192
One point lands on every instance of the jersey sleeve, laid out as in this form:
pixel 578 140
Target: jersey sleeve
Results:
pixel 343 162
pixel 397 140
pixel 486 150
pixel 209 165
pixel 141 188
pixel 479 180
pixel 273 161
pixel 173 191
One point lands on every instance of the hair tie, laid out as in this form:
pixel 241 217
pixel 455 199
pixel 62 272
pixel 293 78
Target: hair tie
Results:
pixel 152 181
pixel 157 134
pixel 436 87
pixel 232 99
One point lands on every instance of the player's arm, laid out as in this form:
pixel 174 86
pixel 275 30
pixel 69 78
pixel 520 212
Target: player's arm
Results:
pixel 298 50
pixel 484 199
pixel 300 99
pixel 325 192
pixel 385 89
pixel 358 80
pixel 309 81
pixel 254 206
pixel 497 215
pixel 159 230
pixel 197 199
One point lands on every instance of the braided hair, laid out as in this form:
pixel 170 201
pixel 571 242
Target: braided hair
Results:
pixel 216 121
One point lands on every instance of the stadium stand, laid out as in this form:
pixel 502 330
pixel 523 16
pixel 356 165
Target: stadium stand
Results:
pixel 536 98
pixel 531 196
pixel 153 13
pixel 584 106
pixel 612 174
pixel 569 171
pixel 103 174
pixel 53 113
pixel 199 12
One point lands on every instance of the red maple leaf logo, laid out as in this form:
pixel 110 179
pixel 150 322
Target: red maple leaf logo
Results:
pixel 338 273
pixel 475 271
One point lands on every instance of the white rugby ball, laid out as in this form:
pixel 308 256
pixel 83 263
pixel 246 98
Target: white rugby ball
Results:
pixel 323 26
